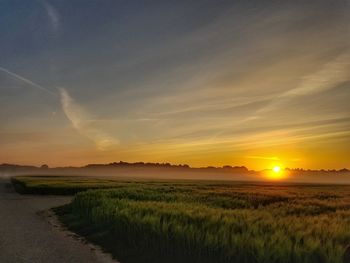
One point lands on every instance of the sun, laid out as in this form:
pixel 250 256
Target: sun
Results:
pixel 276 169
pixel 276 173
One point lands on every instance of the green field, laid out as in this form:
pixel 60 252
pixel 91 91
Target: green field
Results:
pixel 205 221
pixel 60 185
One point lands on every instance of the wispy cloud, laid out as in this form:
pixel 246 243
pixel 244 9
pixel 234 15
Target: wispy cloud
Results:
pixel 80 118
pixel 53 15
pixel 82 122
pixel 273 158
pixel 329 76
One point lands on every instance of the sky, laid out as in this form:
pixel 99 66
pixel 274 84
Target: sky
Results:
pixel 254 83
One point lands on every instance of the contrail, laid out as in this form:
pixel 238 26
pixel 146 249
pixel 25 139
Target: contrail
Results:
pixel 27 81
pixel 76 114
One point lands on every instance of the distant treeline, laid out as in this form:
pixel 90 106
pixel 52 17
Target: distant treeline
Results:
pixel 121 164
pixel 165 165
pixel 240 169
pixel 344 170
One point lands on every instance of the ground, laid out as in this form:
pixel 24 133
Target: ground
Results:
pixel 27 237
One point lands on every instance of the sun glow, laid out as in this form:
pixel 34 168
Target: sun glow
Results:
pixel 276 169
pixel 275 173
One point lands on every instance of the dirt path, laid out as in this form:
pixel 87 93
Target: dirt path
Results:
pixel 26 236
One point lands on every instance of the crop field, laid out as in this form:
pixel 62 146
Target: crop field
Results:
pixel 60 185
pixel 206 221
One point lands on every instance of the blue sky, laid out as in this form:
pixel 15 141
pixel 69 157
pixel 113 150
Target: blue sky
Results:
pixel 198 82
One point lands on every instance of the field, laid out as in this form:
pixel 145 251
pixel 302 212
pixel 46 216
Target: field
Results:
pixel 205 221
pixel 60 185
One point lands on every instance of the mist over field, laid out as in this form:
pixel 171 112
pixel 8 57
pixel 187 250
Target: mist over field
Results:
pixel 168 172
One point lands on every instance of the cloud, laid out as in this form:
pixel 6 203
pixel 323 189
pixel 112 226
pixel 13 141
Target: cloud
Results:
pixel 329 76
pixel 273 158
pixel 53 15
pixel 82 122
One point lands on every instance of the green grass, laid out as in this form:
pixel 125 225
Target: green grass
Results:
pixel 208 222
pixel 60 185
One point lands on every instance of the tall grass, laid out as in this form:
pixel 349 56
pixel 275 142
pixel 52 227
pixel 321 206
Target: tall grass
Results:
pixel 216 223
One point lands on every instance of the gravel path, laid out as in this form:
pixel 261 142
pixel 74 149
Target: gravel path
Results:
pixel 25 236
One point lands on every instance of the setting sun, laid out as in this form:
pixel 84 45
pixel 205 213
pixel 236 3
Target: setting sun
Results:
pixel 276 169
pixel 276 172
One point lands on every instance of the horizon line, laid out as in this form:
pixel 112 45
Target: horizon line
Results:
pixel 182 165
